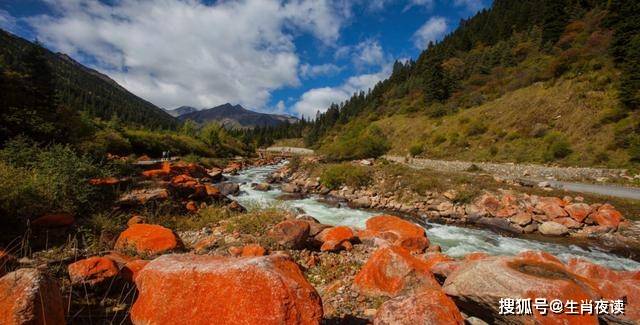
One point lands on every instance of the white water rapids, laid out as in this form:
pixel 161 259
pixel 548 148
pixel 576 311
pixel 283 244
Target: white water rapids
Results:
pixel 455 241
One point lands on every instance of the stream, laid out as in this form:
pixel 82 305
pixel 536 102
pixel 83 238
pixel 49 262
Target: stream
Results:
pixel 455 241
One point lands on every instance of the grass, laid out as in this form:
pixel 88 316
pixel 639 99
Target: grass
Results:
pixel 291 142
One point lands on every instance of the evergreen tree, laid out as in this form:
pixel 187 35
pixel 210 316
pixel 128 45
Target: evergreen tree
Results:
pixel 555 20
pixel 630 79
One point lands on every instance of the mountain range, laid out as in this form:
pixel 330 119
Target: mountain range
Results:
pixel 230 116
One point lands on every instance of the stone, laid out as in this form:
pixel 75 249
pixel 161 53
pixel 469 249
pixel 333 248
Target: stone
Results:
pixel 478 286
pixel 530 228
pixel 131 269
pixel 236 207
pixel 142 196
pixel 105 181
pixel 92 271
pixel 228 188
pixel 392 271
pixel 202 289
pixel 551 207
pixel 135 219
pixel 261 187
pixel 361 202
pixel 578 211
pixel 489 204
pixel 568 222
pixel 500 224
pixel 291 233
pixel 253 250
pixel 54 220
pixel 144 239
pixel 551 228
pixel 191 207
pixel 450 194
pixel 608 216
pixel 521 219
pixel 336 238
pixel 429 307
pixel 215 174
pixel 7 262
pixel 397 232
pixel 289 188
pixel 28 296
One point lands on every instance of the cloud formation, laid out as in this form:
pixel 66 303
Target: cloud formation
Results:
pixel 431 31
pixel 187 53
pixel 312 71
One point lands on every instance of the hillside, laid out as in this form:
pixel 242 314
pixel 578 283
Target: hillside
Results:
pixel 236 116
pixel 551 86
pixel 82 89
pixel 182 110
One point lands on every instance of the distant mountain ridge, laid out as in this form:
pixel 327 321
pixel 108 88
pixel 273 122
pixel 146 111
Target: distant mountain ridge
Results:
pixel 182 110
pixel 235 116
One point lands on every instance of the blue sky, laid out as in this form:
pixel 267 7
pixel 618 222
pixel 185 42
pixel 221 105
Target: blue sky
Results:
pixel 293 56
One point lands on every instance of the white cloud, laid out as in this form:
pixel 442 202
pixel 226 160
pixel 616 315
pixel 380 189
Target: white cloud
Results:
pixel 311 71
pixel 431 31
pixel 471 5
pixel 7 21
pixel 187 53
pixel 319 99
pixel 368 53
pixel 419 3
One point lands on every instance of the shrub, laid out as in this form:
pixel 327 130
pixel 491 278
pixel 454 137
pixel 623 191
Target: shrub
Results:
pixel 416 149
pixel 335 176
pixel 476 128
pixel 557 146
pixel 357 143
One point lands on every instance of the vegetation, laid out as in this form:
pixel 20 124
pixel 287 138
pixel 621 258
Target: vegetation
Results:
pixel 336 175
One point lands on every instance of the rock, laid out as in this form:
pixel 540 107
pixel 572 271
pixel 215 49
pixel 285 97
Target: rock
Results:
pixel 144 239
pixel 429 307
pixel 521 219
pixel 499 224
pixel 131 269
pixel 228 188
pixel 479 286
pixel 530 228
pixel 54 220
pixel 291 233
pixel 578 211
pixel 551 207
pixel 92 271
pixel 261 187
pixel 106 181
pixel 235 206
pixel 608 216
pixel 544 184
pixel 7 262
pixel 336 238
pixel 201 289
pixel 551 228
pixel 162 172
pixel 397 232
pixel 568 222
pixel 232 168
pixel 142 196
pixel 135 219
pixel 315 227
pixel 450 194
pixel 361 202
pixel 235 251
pixel 392 271
pixel 253 250
pixel 488 203
pixel 191 207
pixel 215 174
pixel 212 191
pixel 28 296
pixel 289 188
pixel 205 244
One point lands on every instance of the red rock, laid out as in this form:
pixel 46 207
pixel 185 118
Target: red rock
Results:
pixel 391 271
pixel 434 258
pixel 608 216
pixel 430 306
pixel 552 207
pixel 568 222
pixel 540 257
pixel 54 220
pixel 253 250
pixel 162 172
pixel 92 271
pixel 205 244
pixel 489 204
pixel 335 238
pixel 578 211
pixel 142 196
pixel 146 239
pixel 397 232
pixel 107 181
pixel 212 191
pixel 135 219
pixel 202 289
pixel 532 275
pixel 191 207
pixel 131 270
pixel 232 168
pixel 290 233
pixel 28 296
pixel 475 256
pixel 235 251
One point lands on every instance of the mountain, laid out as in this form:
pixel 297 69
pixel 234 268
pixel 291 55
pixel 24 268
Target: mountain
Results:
pixel 236 116
pixel 83 89
pixel 182 110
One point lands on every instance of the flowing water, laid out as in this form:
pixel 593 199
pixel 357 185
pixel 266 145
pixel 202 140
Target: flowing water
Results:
pixel 455 241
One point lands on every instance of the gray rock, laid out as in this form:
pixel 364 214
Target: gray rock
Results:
pixel 289 188
pixel 228 188
pixel 551 228
pixel 521 219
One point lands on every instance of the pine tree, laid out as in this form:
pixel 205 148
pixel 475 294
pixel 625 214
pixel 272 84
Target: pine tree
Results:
pixel 555 19
pixel 630 79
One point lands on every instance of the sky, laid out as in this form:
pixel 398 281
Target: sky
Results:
pixel 278 56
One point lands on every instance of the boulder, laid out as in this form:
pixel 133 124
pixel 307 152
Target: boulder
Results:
pixel 578 211
pixel 202 289
pixel 568 222
pixel 215 174
pixel 551 207
pixel 397 232
pixel 142 196
pixel 28 296
pixel 608 216
pixel 261 187
pixel 551 228
pixel 489 204
pixel 392 271
pixel 131 269
pixel 54 220
pixel 429 307
pixel 336 238
pixel 289 188
pixel 191 207
pixel 106 181
pixel 290 233
pixel 232 168
pixel 361 202
pixel 144 239
pixel 315 227
pixel 478 286
pixel 92 271
pixel 253 250
pixel 521 219
pixel 164 171
pixel 228 188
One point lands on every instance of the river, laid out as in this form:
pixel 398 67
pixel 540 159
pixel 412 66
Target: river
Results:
pixel 455 241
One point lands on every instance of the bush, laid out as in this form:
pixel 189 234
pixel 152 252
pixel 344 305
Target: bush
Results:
pixel 476 128
pixel 557 146
pixel 345 174
pixel 357 143
pixel 416 149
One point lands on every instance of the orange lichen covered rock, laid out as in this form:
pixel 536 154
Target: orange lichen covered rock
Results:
pixel 475 256
pixel 191 207
pixel 484 282
pixel 253 250
pixel 290 233
pixel 397 232
pixel 27 296
pixel 212 191
pixel 336 238
pixel 92 271
pixel 608 216
pixel 162 172
pixel 433 258
pixel 430 306
pixel 131 270
pixel 107 181
pixel 552 207
pixel 391 271
pixel 202 289
pixel 54 220
pixel 578 211
pixel 146 239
